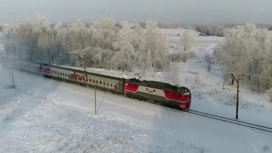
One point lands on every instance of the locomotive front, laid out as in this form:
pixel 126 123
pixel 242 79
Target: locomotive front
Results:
pixel 184 98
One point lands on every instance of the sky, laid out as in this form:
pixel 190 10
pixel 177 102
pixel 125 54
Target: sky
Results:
pixel 172 11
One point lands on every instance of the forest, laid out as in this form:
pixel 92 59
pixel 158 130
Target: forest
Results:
pixel 102 44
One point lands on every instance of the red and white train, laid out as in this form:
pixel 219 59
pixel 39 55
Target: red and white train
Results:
pixel 154 91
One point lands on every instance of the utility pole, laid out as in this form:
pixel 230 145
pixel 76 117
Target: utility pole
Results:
pixel 95 100
pixel 12 76
pixel 237 79
pixel 13 85
pixel 237 94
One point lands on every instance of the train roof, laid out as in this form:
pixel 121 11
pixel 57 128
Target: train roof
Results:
pixel 153 84
pixel 87 72
pixel 158 85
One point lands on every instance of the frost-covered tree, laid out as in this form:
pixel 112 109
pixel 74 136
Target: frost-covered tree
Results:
pixel 125 55
pixel 105 33
pixel 156 42
pixel 78 36
pixel 173 73
pixel 187 40
pixel 103 44
pixel 247 50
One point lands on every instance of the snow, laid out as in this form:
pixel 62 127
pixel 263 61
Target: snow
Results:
pixel 45 115
pixel 198 40
pixel 42 117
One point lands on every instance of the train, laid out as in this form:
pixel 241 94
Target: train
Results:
pixel 152 91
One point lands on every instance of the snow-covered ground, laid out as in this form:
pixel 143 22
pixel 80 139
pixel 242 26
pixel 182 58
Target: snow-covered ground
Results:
pixel 43 115
pixel 199 41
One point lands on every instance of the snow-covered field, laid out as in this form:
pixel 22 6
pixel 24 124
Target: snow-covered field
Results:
pixel 43 115
pixel 199 41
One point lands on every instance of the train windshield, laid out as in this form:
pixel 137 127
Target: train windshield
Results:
pixel 185 91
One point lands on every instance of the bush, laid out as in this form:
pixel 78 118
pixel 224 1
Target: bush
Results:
pixel 184 57
pixel 209 67
pixel 175 57
pixel 259 84
pixel 270 95
pixel 191 54
pixel 208 30
pixel 181 56
pixel 208 58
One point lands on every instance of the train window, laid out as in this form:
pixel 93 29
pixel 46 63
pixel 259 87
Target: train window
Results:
pixel 93 81
pixel 60 73
pixel 154 90
pixel 111 85
pixel 100 82
pixel 104 83
pixel 90 80
pixel 108 84
pixel 96 81
pixel 146 88
pixel 66 75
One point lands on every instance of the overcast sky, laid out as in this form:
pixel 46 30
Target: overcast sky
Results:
pixel 178 11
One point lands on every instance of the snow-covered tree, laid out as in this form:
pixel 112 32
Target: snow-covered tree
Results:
pixel 124 47
pixel 105 33
pixel 247 50
pixel 187 40
pixel 156 42
pixel 103 44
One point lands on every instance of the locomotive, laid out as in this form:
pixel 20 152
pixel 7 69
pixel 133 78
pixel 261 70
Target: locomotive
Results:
pixel 154 91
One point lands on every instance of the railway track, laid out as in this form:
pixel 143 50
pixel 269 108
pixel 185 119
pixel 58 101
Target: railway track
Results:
pixel 233 121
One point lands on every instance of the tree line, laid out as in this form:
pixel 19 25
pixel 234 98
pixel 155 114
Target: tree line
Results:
pixel 103 44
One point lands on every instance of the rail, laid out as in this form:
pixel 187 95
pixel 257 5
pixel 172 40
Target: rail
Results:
pixel 233 121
